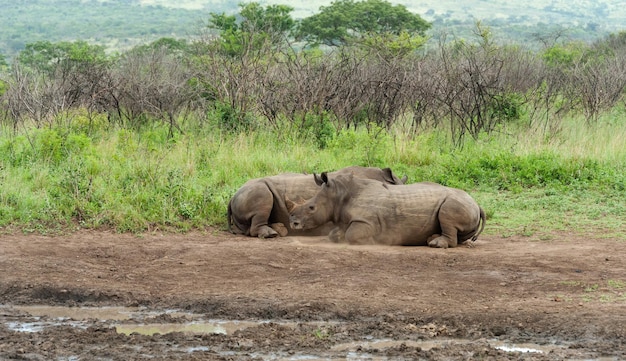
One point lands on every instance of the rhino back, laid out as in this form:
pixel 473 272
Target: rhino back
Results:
pixel 369 173
pixel 398 214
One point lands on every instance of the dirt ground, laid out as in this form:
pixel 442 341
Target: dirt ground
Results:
pixel 307 299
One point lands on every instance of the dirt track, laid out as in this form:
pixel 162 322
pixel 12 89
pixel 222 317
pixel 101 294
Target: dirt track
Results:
pixel 566 296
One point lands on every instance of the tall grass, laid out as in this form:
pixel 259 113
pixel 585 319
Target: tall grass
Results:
pixel 531 184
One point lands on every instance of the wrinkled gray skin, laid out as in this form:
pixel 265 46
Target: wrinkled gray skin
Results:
pixel 367 212
pixel 259 208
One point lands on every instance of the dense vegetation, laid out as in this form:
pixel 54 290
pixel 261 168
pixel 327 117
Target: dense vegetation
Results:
pixel 161 136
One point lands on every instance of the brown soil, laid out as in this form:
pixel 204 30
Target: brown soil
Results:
pixel 567 291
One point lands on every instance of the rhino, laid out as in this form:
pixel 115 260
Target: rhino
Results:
pixel 368 212
pixel 258 208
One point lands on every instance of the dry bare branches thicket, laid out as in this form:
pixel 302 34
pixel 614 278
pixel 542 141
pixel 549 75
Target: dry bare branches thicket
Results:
pixel 344 87
pixel 39 98
pixel 45 97
pixel 152 83
pixel 30 97
pixel 296 86
pixel 233 79
pixel 600 83
pixel 473 89
pixel 148 83
pixel 466 87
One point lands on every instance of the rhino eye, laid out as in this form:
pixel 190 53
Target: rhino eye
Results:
pixel 311 208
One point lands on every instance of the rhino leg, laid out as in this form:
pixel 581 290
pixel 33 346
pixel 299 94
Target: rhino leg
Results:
pixel 360 233
pixel 449 232
pixel 256 205
pixel 456 214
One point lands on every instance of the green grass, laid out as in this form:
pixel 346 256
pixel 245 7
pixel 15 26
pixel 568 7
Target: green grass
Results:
pixel 610 291
pixel 62 178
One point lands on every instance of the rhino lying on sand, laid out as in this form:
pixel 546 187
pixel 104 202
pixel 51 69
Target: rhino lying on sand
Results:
pixel 258 208
pixel 368 212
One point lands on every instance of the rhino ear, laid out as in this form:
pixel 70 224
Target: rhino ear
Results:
pixel 318 180
pixel 324 177
pixel 391 178
pixel 388 175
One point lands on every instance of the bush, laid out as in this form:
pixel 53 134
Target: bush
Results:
pixel 229 118
pixel 366 148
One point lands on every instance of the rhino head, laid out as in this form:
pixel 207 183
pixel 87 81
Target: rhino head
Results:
pixel 324 206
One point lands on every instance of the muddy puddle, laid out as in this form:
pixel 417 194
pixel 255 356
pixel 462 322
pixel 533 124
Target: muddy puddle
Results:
pixel 430 344
pixel 126 320
pixel 137 320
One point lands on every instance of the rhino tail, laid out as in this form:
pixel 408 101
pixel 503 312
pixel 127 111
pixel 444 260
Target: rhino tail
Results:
pixel 233 222
pixel 483 218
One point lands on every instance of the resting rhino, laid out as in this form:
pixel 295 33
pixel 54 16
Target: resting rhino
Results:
pixel 368 212
pixel 258 208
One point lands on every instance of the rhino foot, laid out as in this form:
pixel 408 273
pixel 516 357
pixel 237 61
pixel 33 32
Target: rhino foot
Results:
pixel 337 235
pixel 280 229
pixel 438 241
pixel 267 232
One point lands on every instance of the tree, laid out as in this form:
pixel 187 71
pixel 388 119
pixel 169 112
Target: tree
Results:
pixel 171 45
pixel 346 20
pixel 45 56
pixel 254 27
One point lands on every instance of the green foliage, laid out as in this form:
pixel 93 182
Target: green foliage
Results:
pixel 253 28
pixel 507 107
pixel 615 41
pixel 230 119
pixel 366 148
pixel 564 55
pixel 45 56
pixel 345 20
pixel 48 146
pixel 319 128
pixel 16 151
pixel 81 121
pixel 393 45
pixel 505 171
pixel 170 45
pixel 3 87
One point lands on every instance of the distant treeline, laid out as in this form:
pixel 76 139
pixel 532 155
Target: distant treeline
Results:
pixel 122 24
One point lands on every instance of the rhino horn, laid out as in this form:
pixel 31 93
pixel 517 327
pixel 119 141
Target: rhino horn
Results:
pixel 290 204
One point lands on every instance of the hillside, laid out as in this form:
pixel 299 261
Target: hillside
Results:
pixel 117 24
pixel 121 24
pixel 517 21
